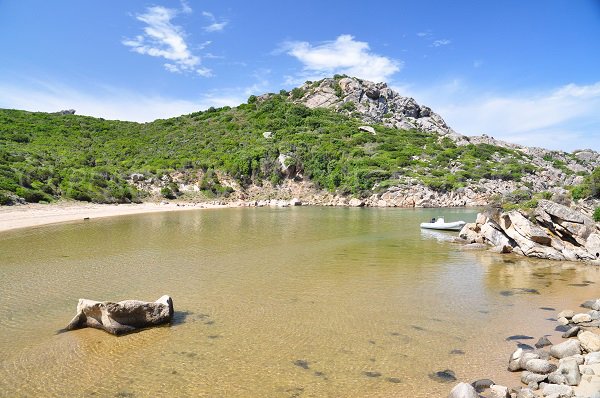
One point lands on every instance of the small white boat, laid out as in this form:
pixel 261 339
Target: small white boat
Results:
pixel 440 224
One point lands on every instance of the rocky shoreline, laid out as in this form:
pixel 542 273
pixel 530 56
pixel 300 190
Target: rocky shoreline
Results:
pixel 550 231
pixel 567 369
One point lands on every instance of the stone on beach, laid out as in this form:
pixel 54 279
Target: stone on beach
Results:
pixel 566 314
pixel 561 390
pixel 571 332
pixel 569 369
pixel 463 390
pixel 122 317
pixel 543 342
pixel 589 341
pixel 497 391
pixel 565 349
pixel 540 366
pixel 580 318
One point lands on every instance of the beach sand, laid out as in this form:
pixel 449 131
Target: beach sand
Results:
pixel 33 215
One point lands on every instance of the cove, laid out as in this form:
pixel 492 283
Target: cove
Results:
pixel 272 302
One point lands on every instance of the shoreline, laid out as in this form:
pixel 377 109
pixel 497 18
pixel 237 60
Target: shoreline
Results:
pixel 37 215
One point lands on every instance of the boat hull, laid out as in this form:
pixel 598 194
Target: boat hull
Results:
pixel 448 226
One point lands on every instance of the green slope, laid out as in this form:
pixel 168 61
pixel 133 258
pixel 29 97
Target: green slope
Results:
pixel 46 156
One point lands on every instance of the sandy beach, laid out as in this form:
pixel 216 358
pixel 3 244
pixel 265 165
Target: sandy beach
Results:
pixel 33 215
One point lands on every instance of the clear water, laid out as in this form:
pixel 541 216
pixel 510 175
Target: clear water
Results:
pixel 296 302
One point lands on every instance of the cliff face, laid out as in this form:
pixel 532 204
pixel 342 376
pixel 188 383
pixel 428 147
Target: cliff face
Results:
pixel 374 103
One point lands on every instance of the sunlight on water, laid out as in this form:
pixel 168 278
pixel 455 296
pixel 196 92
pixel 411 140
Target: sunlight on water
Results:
pixel 298 302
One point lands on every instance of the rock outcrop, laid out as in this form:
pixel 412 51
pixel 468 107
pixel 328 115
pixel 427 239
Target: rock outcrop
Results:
pixel 552 231
pixel 375 103
pixel 122 317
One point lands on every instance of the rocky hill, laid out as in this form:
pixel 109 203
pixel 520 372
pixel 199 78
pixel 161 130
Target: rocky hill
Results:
pixel 336 141
pixel 376 103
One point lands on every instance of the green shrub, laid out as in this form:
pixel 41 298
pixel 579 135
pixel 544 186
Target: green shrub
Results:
pixel 348 106
pixel 32 195
pixel 5 199
pixel 167 193
pixel 338 90
pixel 597 214
pixel 297 93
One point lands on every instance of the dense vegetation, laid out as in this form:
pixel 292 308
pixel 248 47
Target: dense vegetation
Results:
pixel 45 156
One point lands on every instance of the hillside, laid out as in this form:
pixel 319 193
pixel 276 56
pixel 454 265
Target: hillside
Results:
pixel 336 138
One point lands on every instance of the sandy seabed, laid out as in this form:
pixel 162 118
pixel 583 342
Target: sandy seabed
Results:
pixel 33 215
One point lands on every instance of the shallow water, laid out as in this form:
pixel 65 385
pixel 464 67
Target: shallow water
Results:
pixel 296 302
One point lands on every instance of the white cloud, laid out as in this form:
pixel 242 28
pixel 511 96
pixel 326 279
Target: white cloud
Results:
pixel 344 55
pixel 185 7
pixel 442 42
pixel 109 102
pixel 163 39
pixel 215 25
pixel 564 117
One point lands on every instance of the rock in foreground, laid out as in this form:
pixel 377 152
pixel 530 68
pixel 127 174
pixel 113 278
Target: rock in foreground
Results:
pixel 122 317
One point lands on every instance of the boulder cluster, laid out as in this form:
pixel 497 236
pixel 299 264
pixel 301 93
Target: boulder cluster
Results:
pixel 551 231
pixel 567 369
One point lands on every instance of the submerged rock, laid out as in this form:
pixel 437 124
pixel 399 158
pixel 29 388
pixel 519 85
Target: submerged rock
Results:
pixel 122 317
pixel 443 376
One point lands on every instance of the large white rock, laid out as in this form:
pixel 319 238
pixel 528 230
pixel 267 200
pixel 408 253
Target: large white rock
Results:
pixel 497 391
pixel 589 341
pixel 122 317
pixel 539 366
pixel 463 390
pixel 579 318
pixel 354 202
pixel 561 390
pixel 566 349
pixel 570 370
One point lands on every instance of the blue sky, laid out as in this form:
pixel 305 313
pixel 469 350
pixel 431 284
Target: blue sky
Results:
pixel 523 71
